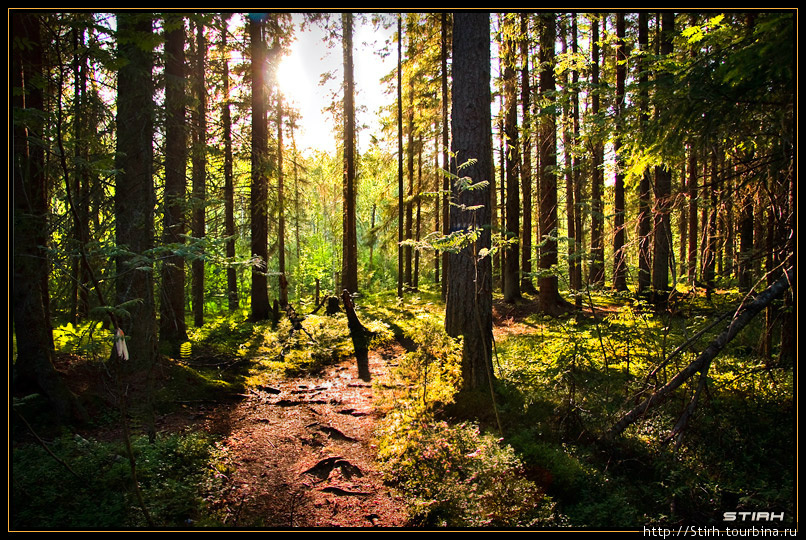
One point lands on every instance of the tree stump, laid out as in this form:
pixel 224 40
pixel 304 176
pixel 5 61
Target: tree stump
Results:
pixel 360 335
pixel 332 305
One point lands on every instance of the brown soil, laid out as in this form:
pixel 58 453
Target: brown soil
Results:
pixel 303 455
pixel 301 451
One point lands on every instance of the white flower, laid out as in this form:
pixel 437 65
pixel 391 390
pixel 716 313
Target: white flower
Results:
pixel 120 344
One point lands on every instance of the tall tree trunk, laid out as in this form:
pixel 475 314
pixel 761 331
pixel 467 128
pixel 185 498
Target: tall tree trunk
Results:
pixel 468 309
pixel 135 199
pixel 567 126
pixel 788 347
pixel 173 329
pixel 446 184
pixel 33 367
pixel 709 256
pixel 681 206
pixel 619 258
pixel 549 296
pixel 258 204
pixel 409 252
pixel 512 290
pixel 526 161
pixel 400 249
pixel 662 239
pixel 79 297
pixel 644 188
pixel 576 276
pixel 597 274
pixel 730 233
pixel 498 201
pixel 283 292
pixel 229 188
pixel 437 199
pixel 693 225
pixel 199 188
pixel 297 241
pixel 349 274
pixel 418 212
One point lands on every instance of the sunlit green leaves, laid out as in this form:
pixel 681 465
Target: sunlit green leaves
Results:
pixel 696 33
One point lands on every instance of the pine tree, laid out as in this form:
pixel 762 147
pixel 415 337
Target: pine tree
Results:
pixel 258 203
pixel 349 233
pixel 173 329
pixel 135 198
pixel 468 310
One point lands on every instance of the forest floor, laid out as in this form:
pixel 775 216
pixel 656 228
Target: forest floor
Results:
pixel 302 451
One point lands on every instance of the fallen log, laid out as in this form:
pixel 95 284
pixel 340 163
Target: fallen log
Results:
pixel 743 315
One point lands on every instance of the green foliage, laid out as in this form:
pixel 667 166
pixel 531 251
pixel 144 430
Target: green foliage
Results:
pixel 457 477
pixel 88 339
pixel 567 380
pixel 452 475
pixel 179 475
pixel 434 366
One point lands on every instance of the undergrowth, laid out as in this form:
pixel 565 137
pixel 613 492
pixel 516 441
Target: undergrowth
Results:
pixel 453 474
pixel 561 383
pixel 87 484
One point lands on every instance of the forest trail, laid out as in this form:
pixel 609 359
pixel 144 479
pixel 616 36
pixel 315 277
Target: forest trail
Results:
pixel 302 451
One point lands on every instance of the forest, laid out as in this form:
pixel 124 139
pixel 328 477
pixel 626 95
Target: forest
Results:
pixel 546 280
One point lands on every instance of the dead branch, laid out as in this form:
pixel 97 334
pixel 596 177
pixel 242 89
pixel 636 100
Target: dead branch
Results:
pixel 744 314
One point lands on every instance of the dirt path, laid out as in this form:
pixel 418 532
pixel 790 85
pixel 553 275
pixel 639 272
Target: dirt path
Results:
pixel 302 452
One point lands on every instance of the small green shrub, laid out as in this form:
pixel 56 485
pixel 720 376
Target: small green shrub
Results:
pixel 434 367
pixel 455 476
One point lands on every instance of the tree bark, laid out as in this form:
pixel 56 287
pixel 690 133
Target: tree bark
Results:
pixel 229 189
pixel 512 290
pixel 644 188
pixel 418 213
pixel 709 249
pixel 173 330
pixel 576 275
pixel 693 225
pixel 79 295
pixel 258 204
pixel 597 274
pixel 746 241
pixel 469 301
pixel 283 292
pixel 135 199
pixel 619 240
pixel 662 239
pixel 549 296
pixel 400 249
pixel 446 185
pixel 33 367
pixel 409 226
pixel 568 151
pixel 349 274
pixel 526 160
pixel 199 158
